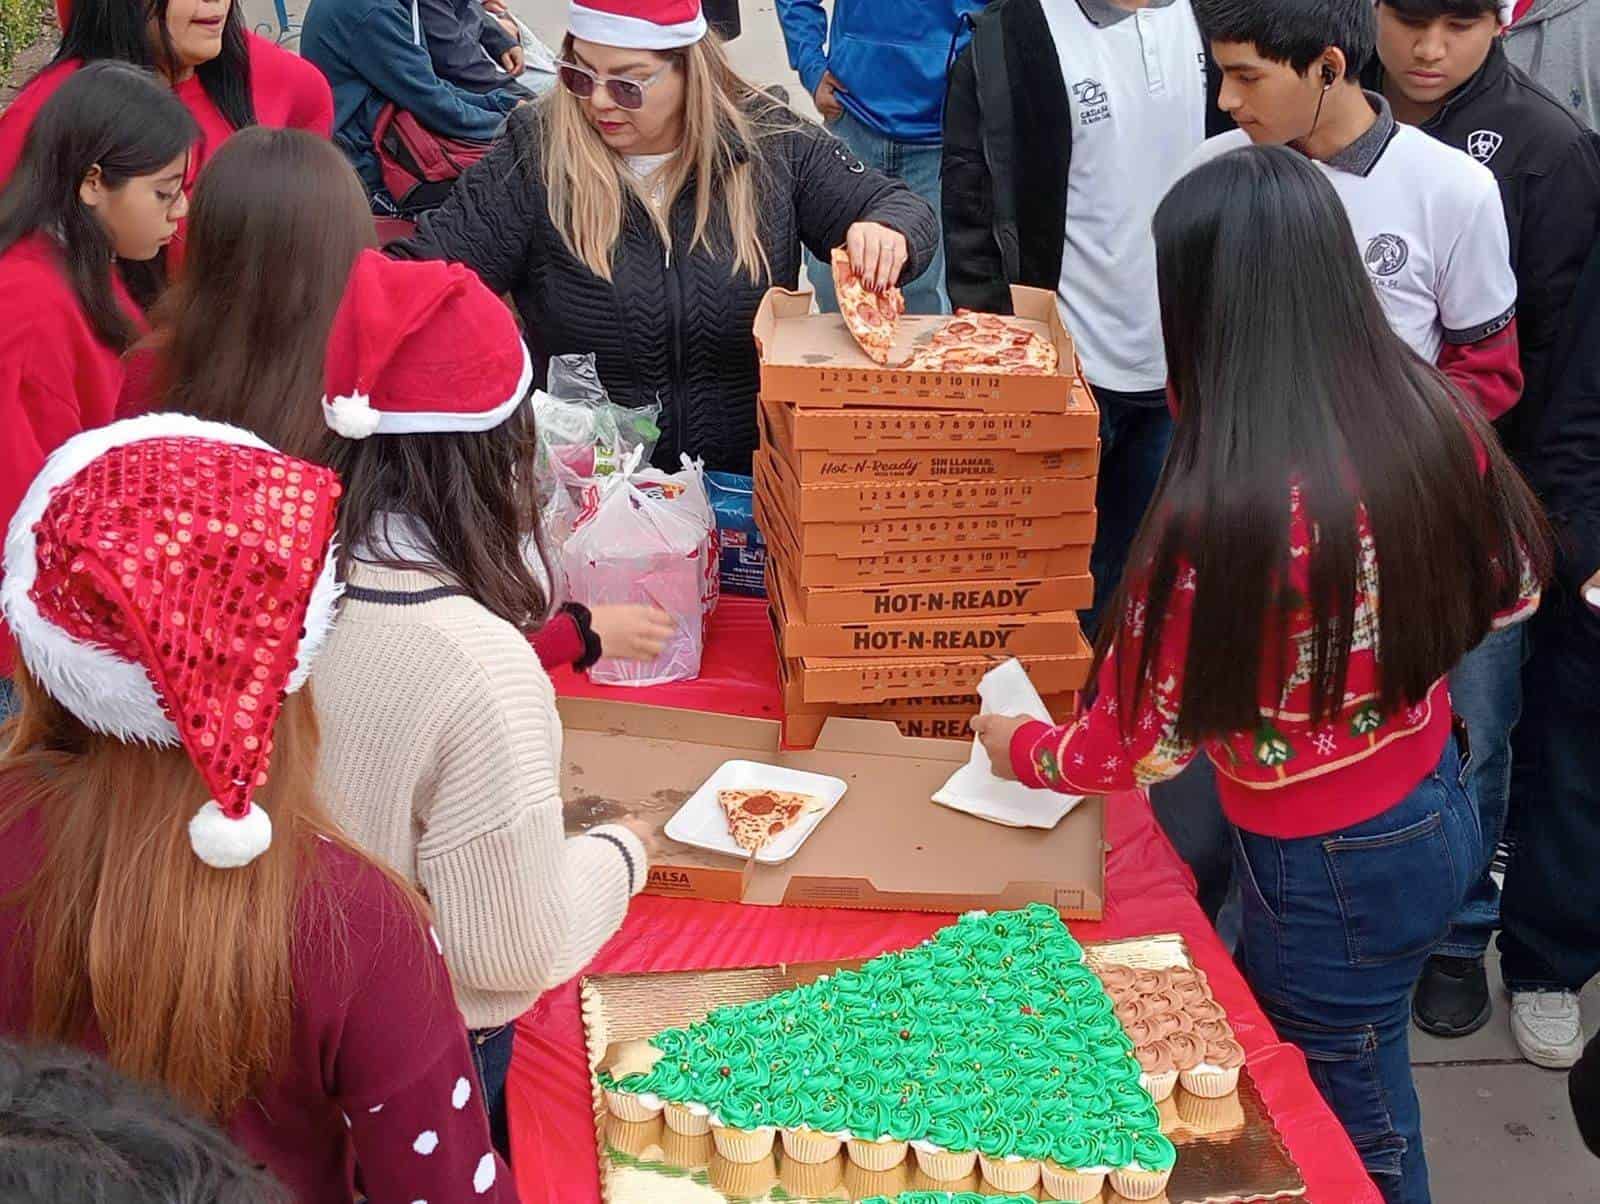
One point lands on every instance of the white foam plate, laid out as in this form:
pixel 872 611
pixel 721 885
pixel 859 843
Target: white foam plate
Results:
pixel 700 821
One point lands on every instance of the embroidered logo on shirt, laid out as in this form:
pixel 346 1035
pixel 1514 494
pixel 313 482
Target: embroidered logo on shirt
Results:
pixel 1482 144
pixel 1386 255
pixel 1094 104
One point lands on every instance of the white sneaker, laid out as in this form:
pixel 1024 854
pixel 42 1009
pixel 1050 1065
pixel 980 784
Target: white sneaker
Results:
pixel 1548 1027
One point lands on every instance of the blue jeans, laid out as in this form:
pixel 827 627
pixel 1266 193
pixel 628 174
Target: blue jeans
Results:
pixel 1133 449
pixel 1486 689
pixel 1550 931
pixel 918 167
pixel 491 1054
pixel 1336 930
pixel 8 699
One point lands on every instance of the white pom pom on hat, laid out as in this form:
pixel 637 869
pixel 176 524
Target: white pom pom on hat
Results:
pixel 225 842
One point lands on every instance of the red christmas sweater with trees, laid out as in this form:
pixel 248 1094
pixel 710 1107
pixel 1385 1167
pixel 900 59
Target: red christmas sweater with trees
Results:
pixel 1288 778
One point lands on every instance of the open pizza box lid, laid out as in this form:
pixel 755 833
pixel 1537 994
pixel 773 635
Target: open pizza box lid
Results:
pixel 886 846
pixel 811 359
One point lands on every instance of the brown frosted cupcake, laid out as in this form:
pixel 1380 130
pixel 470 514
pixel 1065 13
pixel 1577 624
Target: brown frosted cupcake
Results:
pixel 1218 1075
pixel 1010 1174
pixel 1074 1186
pixel 1114 978
pixel 876 1155
pixel 1140 1184
pixel 810 1146
pixel 1159 1076
pixel 686 1152
pixel 743 1145
pixel 692 1120
pixel 808 1180
pixel 1187 1050
pixel 747 1180
pixel 942 1165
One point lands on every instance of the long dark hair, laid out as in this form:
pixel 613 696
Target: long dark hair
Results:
pixel 278 219
pixel 472 497
pixel 111 116
pixel 1288 374
pixel 119 29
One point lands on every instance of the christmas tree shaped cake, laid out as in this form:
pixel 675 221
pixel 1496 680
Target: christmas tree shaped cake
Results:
pixel 992 1043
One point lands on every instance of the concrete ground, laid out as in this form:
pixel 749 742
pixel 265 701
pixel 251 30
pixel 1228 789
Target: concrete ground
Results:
pixel 1499 1131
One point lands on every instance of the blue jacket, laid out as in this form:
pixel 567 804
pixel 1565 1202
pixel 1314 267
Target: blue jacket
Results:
pixel 373 54
pixel 889 56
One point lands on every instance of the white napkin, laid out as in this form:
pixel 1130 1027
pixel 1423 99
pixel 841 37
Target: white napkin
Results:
pixel 1005 690
pixel 1592 596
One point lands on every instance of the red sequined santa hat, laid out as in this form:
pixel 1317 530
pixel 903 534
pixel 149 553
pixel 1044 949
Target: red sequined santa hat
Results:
pixel 168 581
pixel 638 24
pixel 418 348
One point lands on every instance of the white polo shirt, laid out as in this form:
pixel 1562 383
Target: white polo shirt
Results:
pixel 1136 87
pixel 1431 228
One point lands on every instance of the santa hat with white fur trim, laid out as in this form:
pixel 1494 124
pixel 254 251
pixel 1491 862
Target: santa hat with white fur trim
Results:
pixel 420 348
pixel 638 24
pixel 169 581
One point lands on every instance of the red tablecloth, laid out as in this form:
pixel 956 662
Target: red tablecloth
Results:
pixel 1149 890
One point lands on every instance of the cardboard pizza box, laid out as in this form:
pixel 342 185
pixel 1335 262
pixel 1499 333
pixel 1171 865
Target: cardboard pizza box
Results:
pixel 886 846
pixel 923 636
pixel 855 432
pixel 812 359
pixel 858 679
pixel 908 531
pixel 905 461
pixel 877 567
pixel 869 603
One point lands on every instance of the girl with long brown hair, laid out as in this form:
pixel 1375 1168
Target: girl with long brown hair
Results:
pixel 172 892
pixel 642 210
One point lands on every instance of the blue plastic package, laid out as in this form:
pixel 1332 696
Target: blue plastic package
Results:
pixel 743 564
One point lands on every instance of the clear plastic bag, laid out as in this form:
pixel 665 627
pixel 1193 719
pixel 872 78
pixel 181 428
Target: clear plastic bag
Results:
pixel 648 543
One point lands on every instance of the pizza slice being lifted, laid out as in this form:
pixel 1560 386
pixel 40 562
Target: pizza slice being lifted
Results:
pixel 871 317
pixel 756 817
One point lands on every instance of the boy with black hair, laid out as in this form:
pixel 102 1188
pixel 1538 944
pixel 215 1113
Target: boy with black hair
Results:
pixel 1428 218
pixel 1443 68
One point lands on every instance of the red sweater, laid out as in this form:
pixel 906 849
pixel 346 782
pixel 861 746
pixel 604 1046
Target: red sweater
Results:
pixel 378 1079
pixel 1288 778
pixel 56 377
pixel 289 93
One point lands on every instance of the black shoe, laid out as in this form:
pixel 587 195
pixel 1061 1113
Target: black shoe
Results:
pixel 1452 999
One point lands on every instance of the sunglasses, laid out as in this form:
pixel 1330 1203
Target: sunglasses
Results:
pixel 625 93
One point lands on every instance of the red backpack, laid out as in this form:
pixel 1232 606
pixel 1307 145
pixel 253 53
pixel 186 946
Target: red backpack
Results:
pixel 418 166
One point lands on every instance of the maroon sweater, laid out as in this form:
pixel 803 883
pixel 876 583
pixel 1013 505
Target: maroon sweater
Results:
pixel 378 1081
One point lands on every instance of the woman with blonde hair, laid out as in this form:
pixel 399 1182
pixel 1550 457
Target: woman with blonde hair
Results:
pixel 641 210
pixel 173 894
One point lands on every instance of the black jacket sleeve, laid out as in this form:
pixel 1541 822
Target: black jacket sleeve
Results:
pixel 491 34
pixel 453 35
pixel 833 190
pixel 1560 215
pixel 485 222
pixel 1565 462
pixel 975 276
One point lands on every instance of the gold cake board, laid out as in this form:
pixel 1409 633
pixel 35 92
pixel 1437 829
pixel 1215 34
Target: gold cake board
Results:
pixel 1229 1151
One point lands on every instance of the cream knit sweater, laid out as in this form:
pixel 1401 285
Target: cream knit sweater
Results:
pixel 441 754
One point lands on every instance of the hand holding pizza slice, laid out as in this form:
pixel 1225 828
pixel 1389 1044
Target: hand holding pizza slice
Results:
pixel 871 317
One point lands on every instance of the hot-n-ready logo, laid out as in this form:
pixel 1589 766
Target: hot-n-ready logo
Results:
pixel 1094 105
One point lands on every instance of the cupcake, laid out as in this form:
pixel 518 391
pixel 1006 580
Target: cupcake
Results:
pixel 1134 1183
pixel 1074 1186
pixel 1158 1075
pixel 1010 1173
pixel 809 1146
pixel 877 1155
pixel 811 1180
pixel 1218 1075
pixel 692 1120
pixel 625 1105
pixel 942 1165
pixel 686 1152
pixel 743 1180
pixel 743 1145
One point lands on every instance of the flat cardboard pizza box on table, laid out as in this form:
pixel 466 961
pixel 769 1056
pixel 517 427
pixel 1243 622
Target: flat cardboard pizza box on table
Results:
pixel 921 635
pixel 968 596
pixel 905 460
pixel 855 432
pixel 918 530
pixel 886 846
pixel 811 359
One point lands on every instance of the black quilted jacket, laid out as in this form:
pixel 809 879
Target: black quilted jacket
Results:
pixel 669 328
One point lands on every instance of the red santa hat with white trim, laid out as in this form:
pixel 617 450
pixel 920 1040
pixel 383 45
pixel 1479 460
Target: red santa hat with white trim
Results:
pixel 420 348
pixel 638 24
pixel 169 581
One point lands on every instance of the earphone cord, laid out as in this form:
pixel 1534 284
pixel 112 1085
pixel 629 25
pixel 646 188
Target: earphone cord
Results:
pixel 1303 144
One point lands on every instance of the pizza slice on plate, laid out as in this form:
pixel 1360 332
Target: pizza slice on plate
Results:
pixel 756 817
pixel 871 317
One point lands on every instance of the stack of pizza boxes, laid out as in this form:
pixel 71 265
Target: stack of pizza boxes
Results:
pixel 921 527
